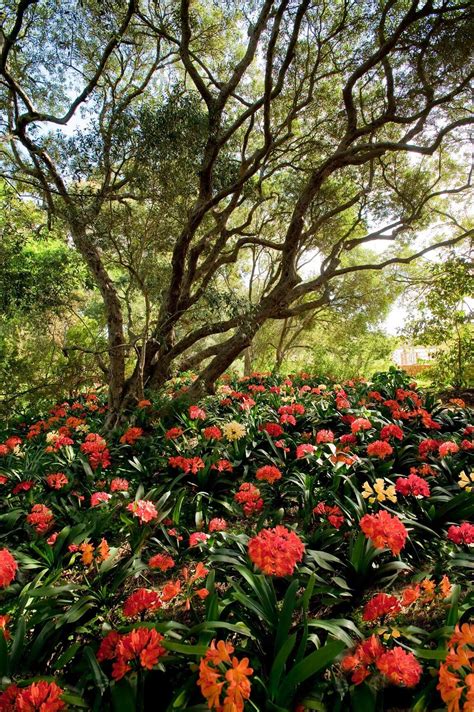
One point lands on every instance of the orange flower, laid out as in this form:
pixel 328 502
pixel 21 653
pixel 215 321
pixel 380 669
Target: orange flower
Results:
pixel 170 590
pixel 212 678
pixel 3 628
pixel 87 553
pixel 276 551
pixel 384 531
pixel 400 667
pixel 456 679
pixel 8 568
pixel 104 550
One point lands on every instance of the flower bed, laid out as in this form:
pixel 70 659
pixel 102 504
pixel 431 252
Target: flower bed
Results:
pixel 288 544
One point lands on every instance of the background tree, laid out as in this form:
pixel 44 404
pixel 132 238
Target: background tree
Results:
pixel 444 317
pixel 296 126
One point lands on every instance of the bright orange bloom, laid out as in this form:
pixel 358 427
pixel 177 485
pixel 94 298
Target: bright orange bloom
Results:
pixel 384 531
pixel 400 667
pixel 212 678
pixel 276 551
pixel 161 562
pixel 3 628
pixel 410 595
pixel 170 590
pixel 140 601
pixel 8 568
pixel 104 550
pixel 40 518
pixel 87 553
pixel 268 473
pixel 456 676
pixel 42 696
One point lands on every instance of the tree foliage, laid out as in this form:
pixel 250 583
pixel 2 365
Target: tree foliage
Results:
pixel 172 139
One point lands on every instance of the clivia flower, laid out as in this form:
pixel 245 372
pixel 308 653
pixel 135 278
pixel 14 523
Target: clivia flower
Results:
pixel 144 510
pixel 57 480
pixel 391 431
pixel 466 482
pixel 23 486
pixel 196 413
pixel 140 601
pixel 333 514
pixel 381 605
pixel 456 682
pixel 249 497
pixel 197 538
pixel 131 436
pixel 463 534
pixel 217 525
pixel 268 473
pixel 384 531
pixel 448 448
pixel 360 424
pixel 212 433
pixel 219 674
pixel 412 485
pixel 40 518
pixel 8 568
pixel 119 484
pixel 324 436
pixel 276 551
pixel 379 448
pixel 304 449
pixel 400 667
pixel 274 430
pixel 378 492
pixel 42 696
pixel 163 562
pixel 99 497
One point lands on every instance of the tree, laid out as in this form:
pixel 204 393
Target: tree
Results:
pixel 444 317
pixel 291 125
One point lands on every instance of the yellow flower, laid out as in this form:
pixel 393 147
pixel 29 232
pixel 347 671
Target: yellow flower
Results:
pixel 466 481
pixel 378 491
pixel 233 430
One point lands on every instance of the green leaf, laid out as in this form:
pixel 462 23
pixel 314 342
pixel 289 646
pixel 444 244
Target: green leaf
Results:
pixel 100 679
pixel 123 696
pixel 362 698
pixel 308 667
pixel 285 617
pixel 284 651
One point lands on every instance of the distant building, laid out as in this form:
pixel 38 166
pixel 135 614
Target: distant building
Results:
pixel 413 355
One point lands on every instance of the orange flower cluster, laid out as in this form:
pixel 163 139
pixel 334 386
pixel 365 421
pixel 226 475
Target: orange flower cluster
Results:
pixel 276 551
pixel 131 436
pixel 185 587
pixel 8 568
pixel 40 518
pixel 140 601
pixel 96 450
pixel 42 696
pixel 143 510
pixel 397 665
pixel 383 604
pixel 380 449
pixel 384 531
pixel 218 670
pixel 139 648
pixel 268 473
pixel 57 480
pixel 163 562
pixel 456 674
pixel 249 497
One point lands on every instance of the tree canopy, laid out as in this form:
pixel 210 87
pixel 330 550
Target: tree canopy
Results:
pixel 177 141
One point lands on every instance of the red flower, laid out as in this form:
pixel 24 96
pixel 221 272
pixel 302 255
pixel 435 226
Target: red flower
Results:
pixel 249 497
pixel 99 497
pixel 333 514
pixel 381 605
pixel 379 448
pixel 196 413
pixel 348 439
pixel 197 537
pixel 212 433
pixel 8 568
pixel 144 510
pixel 173 433
pixel 42 696
pixel 391 431
pixel 274 430
pixel 140 601
pixel 364 655
pixel 144 404
pixel 40 518
pixel 24 486
pixel 217 525
pixel 96 450
pixel 464 534
pixel 412 485
pixel 108 646
pixel 448 448
pixel 384 531
pixel 163 562
pixel 119 484
pixel 141 644
pixel 131 436
pixel 303 450
pixel 57 480
pixel 428 446
pixel 187 464
pixel 268 473
pixel 360 424
pixel 276 551
pixel 222 466
pixel 324 436
pixel 400 666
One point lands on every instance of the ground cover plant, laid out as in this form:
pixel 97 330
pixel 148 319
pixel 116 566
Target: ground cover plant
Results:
pixel 286 544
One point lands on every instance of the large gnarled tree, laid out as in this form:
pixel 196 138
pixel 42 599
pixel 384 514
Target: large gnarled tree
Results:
pixel 196 133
